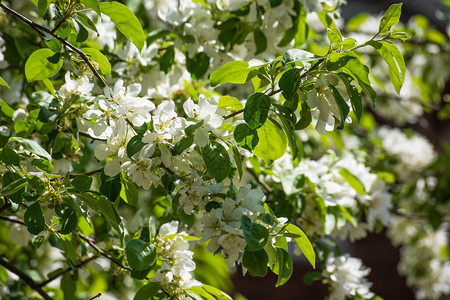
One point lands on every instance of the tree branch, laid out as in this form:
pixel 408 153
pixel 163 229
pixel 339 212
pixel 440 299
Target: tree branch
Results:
pixel 102 253
pixel 87 173
pixel 17 221
pixel 42 32
pixel 85 134
pixel 27 279
pixel 96 296
pixel 78 265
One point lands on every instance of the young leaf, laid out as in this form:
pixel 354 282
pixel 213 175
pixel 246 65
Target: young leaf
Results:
pixel 233 72
pixel 129 192
pixel 303 242
pixel 126 22
pixel 229 102
pixel 82 183
pixel 256 110
pixel 256 262
pixel 217 160
pixel 353 181
pixel 32 147
pixel 110 186
pixel 394 59
pixel 3 82
pixel 34 219
pixel 99 58
pixel 272 142
pixel 289 83
pixel 390 18
pixel 38 67
pixel 255 235
pixel 198 65
pixel 182 145
pixel 92 4
pixel 140 255
pixel 298 55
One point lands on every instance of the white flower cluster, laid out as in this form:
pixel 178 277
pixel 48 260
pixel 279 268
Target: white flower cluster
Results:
pixel 424 258
pixel 174 275
pixel 323 102
pixel 346 276
pixel 223 224
pixel 414 152
pixel 331 185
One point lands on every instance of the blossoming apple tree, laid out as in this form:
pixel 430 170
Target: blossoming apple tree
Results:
pixel 148 146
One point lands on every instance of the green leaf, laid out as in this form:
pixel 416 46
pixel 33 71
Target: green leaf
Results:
pixel 167 59
pixel 343 107
pixel 218 294
pixel 289 83
pixel 48 115
pixel 13 187
pixel 182 145
pixel 32 146
pixel 6 109
pixel 140 255
pixel 102 206
pixel 135 145
pixel 82 183
pixel 217 160
pixel 233 72
pixel 87 22
pixel 192 128
pixel 246 137
pixel 129 192
pixel 9 157
pixel 260 41
pixel 291 136
pixel 390 18
pixel 256 110
pixel 92 4
pixel 229 102
pixel 110 186
pixel 334 35
pixel 126 22
pixel 305 117
pixel 99 58
pixel 237 159
pixel 355 96
pixel 68 286
pixel 394 59
pixel 43 165
pixel 298 55
pixel 3 82
pixel 255 235
pixel 42 7
pixel 352 65
pixel 256 262
pixel 285 266
pixel 311 277
pixel 68 218
pixel 272 142
pixel 353 181
pixel 34 219
pixel 198 65
pixel 147 291
pixel 38 67
pixel 303 242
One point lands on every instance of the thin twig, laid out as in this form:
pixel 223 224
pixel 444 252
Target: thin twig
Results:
pixel 27 279
pixel 263 183
pixel 42 30
pixel 85 134
pixel 87 173
pixel 17 221
pixel 78 265
pixel 102 253
pixel 96 296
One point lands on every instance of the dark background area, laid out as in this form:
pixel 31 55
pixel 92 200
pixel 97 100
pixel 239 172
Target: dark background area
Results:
pixel 376 251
